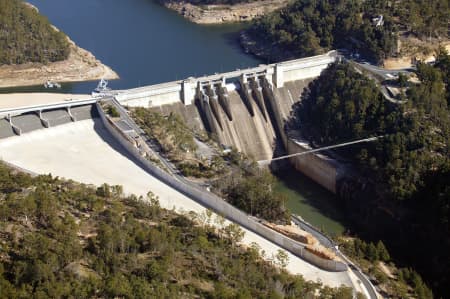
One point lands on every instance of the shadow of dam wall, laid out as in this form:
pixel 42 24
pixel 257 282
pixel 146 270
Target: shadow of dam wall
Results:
pixel 249 120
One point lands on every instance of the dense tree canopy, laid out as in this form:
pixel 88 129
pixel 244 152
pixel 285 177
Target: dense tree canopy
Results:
pixel 307 27
pixel 27 36
pixel 252 190
pixel 408 166
pixel 60 239
pixel 312 27
pixel 343 105
pixel 425 18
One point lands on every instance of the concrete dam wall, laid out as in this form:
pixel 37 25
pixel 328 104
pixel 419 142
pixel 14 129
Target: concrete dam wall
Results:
pixel 249 118
pixel 245 109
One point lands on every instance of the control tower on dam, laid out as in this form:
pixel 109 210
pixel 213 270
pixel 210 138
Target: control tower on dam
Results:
pixel 245 109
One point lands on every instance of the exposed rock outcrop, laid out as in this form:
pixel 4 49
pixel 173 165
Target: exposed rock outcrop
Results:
pixel 222 13
pixel 81 65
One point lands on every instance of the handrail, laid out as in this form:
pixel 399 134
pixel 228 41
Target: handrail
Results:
pixel 25 109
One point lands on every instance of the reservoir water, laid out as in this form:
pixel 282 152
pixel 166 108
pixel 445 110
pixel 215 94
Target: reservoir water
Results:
pixel 146 43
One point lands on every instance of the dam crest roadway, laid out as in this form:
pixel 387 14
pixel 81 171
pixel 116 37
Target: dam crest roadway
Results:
pixel 72 139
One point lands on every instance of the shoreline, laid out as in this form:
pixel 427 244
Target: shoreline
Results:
pixel 223 13
pixel 81 65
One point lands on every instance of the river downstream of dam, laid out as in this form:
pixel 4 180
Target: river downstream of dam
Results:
pixel 147 44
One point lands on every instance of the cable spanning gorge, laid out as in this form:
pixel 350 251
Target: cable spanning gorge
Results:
pixel 245 109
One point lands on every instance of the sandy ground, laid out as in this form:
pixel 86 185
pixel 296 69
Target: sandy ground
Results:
pixel 16 100
pixel 85 152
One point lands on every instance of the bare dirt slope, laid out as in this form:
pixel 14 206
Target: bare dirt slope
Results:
pixel 84 151
pixel 412 50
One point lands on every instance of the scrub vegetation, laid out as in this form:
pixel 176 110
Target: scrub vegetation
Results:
pixel 170 132
pixel 233 176
pixel 375 260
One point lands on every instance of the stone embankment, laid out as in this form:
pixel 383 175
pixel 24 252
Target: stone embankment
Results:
pixel 224 13
pixel 81 65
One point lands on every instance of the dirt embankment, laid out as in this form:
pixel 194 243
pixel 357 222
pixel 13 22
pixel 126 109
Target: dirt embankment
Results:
pixel 312 244
pixel 80 66
pixel 220 13
pixel 412 49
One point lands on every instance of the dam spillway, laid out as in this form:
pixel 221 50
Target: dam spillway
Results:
pixel 253 126
pixel 244 109
pixel 12 125
pixel 85 151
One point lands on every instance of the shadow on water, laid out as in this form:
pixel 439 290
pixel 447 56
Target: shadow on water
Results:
pixel 311 201
pixel 231 38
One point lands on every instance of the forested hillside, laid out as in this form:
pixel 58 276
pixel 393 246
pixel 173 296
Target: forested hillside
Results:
pixel 235 177
pixel 405 174
pixel 27 36
pixel 61 239
pixel 308 27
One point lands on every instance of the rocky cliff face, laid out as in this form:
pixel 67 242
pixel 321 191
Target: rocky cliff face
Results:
pixel 217 14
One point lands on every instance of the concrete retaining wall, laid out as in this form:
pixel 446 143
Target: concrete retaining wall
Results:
pixel 156 95
pixel 185 91
pixel 219 206
pixel 321 169
pixel 303 68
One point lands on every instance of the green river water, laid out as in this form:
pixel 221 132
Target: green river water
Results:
pixel 311 201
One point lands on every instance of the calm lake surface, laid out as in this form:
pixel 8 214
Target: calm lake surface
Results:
pixel 144 42
pixel 147 44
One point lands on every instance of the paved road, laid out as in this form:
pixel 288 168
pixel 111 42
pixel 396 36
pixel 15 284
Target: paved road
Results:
pixel 329 243
pixel 381 75
pixel 386 74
